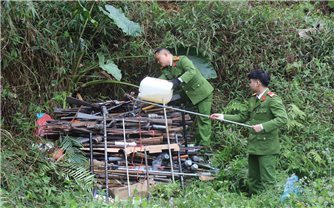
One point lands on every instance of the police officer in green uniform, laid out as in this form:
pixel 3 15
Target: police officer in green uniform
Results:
pixel 182 73
pixel 266 114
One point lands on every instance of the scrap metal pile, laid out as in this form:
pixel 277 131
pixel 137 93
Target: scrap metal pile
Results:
pixel 127 141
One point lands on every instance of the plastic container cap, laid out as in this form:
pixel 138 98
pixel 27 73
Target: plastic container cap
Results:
pixel 155 90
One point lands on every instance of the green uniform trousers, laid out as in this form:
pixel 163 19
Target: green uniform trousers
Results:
pixel 261 172
pixel 203 132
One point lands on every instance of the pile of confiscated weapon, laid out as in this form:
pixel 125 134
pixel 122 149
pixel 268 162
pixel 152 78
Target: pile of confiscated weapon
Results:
pixel 130 141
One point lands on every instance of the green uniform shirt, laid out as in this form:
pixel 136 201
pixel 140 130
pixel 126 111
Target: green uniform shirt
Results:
pixel 268 111
pixel 196 87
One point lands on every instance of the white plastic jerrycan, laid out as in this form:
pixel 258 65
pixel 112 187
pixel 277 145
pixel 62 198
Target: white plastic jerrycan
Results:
pixel 155 90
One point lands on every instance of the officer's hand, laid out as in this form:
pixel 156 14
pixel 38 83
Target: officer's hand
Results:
pixel 257 128
pixel 176 82
pixel 217 116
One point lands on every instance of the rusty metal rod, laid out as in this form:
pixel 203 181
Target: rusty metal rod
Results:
pixel 179 161
pixel 91 159
pixel 147 174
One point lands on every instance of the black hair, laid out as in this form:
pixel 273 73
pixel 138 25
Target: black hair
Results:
pixel 261 75
pixel 158 50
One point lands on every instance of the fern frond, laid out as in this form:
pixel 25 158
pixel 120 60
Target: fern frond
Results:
pixel 46 167
pixel 315 156
pixel 295 113
pixel 295 116
pixel 71 147
pixel 235 106
pixel 293 124
pixel 81 175
pixel 68 142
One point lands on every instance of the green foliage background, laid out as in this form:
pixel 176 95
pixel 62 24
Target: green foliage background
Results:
pixel 50 50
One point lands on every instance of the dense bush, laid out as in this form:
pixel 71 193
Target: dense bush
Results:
pixel 50 50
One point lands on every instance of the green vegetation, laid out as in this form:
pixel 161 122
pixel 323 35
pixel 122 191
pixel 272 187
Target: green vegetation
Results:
pixel 50 50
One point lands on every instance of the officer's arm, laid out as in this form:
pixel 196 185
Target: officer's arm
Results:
pixel 277 108
pixel 189 69
pixel 242 117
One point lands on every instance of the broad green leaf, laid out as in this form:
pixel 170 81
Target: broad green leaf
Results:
pixel 110 67
pixel 331 4
pixel 199 61
pixel 128 27
pixel 204 66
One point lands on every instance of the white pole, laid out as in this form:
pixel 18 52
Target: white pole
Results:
pixel 105 112
pixel 126 159
pixel 169 150
pixel 190 112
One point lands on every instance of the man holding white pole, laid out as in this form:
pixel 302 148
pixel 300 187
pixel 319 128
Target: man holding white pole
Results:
pixel 265 114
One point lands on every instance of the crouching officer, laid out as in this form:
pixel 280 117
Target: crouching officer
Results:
pixel 182 73
pixel 266 113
